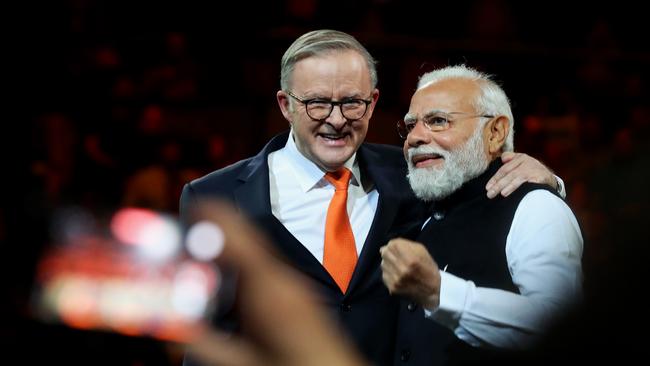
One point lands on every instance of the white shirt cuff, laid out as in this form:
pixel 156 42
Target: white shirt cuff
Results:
pixel 454 295
pixel 560 187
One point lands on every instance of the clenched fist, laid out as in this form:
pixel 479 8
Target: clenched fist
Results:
pixel 409 270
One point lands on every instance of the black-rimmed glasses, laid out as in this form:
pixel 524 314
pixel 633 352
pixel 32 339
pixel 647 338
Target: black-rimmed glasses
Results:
pixel 435 121
pixel 320 109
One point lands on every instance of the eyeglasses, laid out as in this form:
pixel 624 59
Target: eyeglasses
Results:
pixel 435 121
pixel 320 109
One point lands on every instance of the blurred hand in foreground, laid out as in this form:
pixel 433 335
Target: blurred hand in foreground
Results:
pixel 281 321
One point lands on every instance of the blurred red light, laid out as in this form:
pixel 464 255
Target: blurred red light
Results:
pixel 128 224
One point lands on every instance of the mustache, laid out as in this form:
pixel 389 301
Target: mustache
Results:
pixel 426 150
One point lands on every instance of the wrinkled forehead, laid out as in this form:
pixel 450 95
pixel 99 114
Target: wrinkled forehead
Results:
pixel 335 65
pixel 449 95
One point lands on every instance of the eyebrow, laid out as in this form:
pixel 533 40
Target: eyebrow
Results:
pixel 433 112
pixel 359 95
pixel 319 96
pixel 410 117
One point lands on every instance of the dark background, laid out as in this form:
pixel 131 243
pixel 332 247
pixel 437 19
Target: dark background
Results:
pixel 120 103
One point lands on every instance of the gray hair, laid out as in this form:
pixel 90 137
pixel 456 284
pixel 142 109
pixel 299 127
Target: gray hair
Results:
pixel 320 42
pixel 492 99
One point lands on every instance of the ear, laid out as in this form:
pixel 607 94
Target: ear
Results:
pixel 371 106
pixel 497 131
pixel 283 102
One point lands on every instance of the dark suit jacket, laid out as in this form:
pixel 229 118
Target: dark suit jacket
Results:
pixel 366 311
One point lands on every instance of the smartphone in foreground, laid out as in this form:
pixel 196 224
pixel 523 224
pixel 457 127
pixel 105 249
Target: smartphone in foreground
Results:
pixel 134 272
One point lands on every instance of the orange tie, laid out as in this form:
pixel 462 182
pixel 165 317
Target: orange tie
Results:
pixel 340 253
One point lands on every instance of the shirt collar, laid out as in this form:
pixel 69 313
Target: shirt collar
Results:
pixel 309 175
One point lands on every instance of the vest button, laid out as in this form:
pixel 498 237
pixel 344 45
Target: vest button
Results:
pixel 411 306
pixel 346 307
pixel 438 215
pixel 405 355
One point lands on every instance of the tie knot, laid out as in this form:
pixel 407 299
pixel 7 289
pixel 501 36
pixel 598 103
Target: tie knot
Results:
pixel 339 179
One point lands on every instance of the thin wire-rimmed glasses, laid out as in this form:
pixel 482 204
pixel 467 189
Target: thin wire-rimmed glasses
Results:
pixel 435 121
pixel 320 109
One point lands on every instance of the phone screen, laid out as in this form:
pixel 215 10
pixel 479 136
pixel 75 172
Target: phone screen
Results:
pixel 134 272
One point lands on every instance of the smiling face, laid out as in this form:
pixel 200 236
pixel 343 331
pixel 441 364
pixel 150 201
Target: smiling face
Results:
pixel 336 76
pixel 448 96
pixel 440 162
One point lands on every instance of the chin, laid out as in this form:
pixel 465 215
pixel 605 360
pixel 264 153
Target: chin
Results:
pixel 336 156
pixel 334 164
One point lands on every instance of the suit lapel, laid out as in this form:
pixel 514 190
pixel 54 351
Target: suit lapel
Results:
pixel 382 175
pixel 252 197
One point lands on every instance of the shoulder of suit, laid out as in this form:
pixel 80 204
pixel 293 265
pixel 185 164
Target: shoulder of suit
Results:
pixel 388 153
pixel 383 148
pixel 228 173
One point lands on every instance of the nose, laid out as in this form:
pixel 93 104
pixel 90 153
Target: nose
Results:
pixel 336 118
pixel 419 135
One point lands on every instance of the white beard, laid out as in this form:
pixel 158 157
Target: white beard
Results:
pixel 460 165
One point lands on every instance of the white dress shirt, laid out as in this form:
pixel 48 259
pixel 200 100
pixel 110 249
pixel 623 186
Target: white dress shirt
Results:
pixel 543 251
pixel 300 196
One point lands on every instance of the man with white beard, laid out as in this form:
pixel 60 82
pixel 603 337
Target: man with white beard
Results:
pixel 490 274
